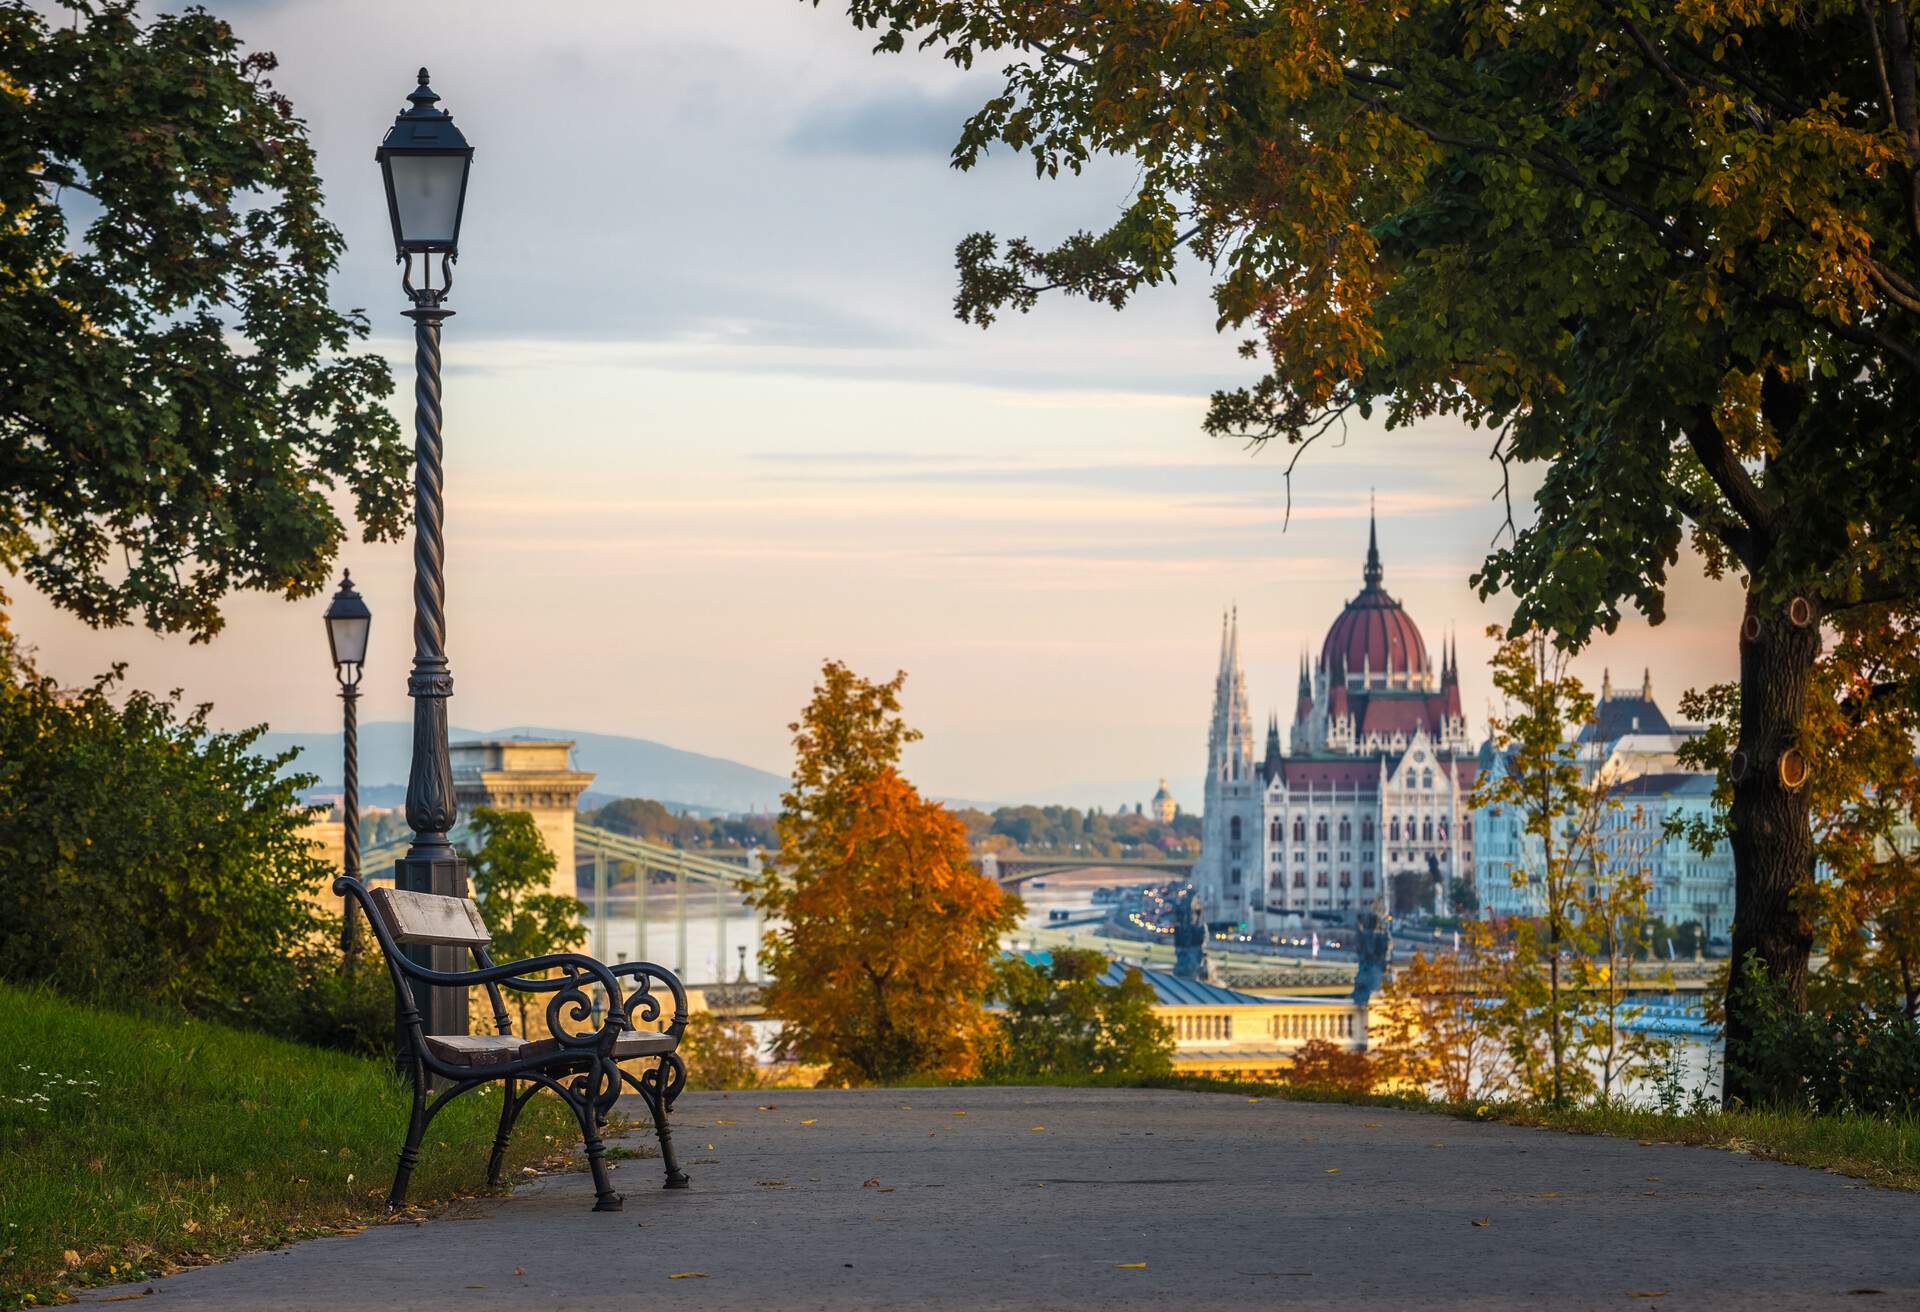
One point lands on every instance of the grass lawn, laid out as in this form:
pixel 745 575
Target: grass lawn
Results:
pixel 130 1146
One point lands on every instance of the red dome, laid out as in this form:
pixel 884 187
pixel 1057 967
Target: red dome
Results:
pixel 1373 633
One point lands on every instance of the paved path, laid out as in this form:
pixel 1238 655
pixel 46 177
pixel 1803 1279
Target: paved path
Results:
pixel 1044 1198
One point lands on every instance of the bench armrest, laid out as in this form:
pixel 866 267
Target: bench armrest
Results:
pixel 642 1005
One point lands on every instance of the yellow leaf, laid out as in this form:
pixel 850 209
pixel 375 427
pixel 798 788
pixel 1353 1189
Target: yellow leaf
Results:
pixel 772 1183
pixel 959 1113
pixel 807 1122
pixel 688 1275
pixel 1037 1129
pixel 1485 1220
pixel 1131 1266
pixel 1333 1170
pixel 726 1122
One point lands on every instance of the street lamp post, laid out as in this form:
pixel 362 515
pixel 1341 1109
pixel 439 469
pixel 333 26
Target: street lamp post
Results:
pixel 424 161
pixel 348 623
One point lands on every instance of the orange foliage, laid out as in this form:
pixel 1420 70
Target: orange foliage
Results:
pixel 884 956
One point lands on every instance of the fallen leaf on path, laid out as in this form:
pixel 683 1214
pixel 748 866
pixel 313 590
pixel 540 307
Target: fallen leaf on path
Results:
pixel 770 1107
pixel 1551 1193
pixel 726 1122
pixel 688 1275
pixel 1485 1220
pixel 1653 1177
pixel 1131 1266
pixel 1650 1193
pixel 772 1183
pixel 1037 1129
pixel 1369 1125
pixel 126 1298
pixel 519 1270
pixel 959 1113
pixel 1333 1170
pixel 871 1184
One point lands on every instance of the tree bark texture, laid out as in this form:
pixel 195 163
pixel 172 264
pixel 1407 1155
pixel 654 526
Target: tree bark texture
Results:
pixel 1772 833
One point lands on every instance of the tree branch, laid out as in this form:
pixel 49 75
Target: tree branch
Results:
pixel 1731 477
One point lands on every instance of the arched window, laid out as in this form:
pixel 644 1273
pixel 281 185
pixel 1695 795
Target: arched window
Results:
pixel 1276 831
pixel 1233 830
pixel 1466 827
pixel 1426 829
pixel 1346 830
pixel 1320 829
pixel 1393 828
pixel 1299 829
pixel 1426 779
pixel 1366 829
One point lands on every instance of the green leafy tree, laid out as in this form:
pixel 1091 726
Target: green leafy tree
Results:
pixel 146 859
pixel 1061 1019
pixel 512 871
pixel 1671 253
pixel 181 399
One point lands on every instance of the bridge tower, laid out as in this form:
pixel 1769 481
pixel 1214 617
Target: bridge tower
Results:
pixel 1228 872
pixel 525 774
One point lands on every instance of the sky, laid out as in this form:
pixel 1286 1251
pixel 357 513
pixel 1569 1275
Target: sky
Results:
pixel 710 421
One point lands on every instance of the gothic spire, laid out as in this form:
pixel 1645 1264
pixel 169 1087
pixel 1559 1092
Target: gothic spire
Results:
pixel 1372 573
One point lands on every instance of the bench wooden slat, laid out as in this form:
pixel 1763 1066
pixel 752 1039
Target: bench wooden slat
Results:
pixel 431 918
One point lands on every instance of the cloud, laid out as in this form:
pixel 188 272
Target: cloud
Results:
pixel 907 121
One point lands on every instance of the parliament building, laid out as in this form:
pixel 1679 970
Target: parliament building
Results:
pixel 1369 800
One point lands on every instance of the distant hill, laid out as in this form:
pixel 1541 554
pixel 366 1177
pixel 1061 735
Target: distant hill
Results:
pixel 626 767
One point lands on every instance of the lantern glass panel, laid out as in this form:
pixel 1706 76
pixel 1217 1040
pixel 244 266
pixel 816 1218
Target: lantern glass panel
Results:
pixel 348 638
pixel 426 197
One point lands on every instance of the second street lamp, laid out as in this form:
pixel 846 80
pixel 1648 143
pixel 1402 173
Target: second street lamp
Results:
pixel 348 624
pixel 424 161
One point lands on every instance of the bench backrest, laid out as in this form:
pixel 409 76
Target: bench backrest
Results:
pixel 430 918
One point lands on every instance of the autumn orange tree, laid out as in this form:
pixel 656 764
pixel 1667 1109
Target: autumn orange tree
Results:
pixel 886 935
pixel 1669 252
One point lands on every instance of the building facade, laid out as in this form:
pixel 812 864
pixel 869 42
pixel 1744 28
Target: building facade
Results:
pixel 1367 803
pixel 1631 749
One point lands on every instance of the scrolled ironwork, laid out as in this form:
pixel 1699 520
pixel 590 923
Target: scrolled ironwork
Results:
pixel 579 1066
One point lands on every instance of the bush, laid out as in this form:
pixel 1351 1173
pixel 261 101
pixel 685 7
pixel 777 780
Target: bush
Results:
pixel 144 859
pixel 1328 1068
pixel 1059 1019
pixel 1845 1058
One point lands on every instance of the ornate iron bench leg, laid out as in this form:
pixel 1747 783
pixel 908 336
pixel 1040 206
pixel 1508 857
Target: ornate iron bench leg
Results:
pixel 509 1113
pixel 410 1151
pixel 657 1088
pixel 585 1098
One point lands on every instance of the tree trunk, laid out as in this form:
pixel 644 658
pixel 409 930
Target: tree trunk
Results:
pixel 1772 834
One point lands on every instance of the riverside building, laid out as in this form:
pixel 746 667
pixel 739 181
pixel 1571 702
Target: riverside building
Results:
pixel 1368 800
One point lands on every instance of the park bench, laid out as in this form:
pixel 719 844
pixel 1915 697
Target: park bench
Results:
pixel 581 1065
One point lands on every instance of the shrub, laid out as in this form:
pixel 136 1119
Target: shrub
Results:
pixel 145 859
pixel 1060 1019
pixel 1326 1067
pixel 1844 1058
